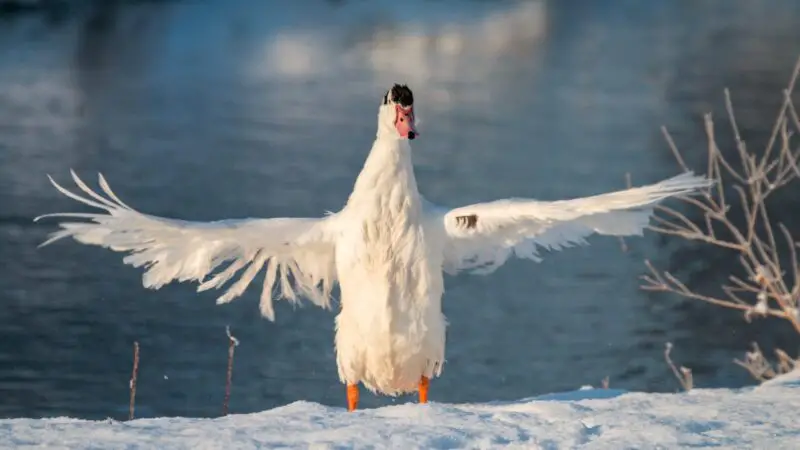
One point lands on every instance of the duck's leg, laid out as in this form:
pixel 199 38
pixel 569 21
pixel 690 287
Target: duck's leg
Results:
pixel 352 397
pixel 424 383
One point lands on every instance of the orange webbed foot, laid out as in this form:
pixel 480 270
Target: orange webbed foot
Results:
pixel 424 384
pixel 352 397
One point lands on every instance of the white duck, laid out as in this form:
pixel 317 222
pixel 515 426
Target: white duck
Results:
pixel 386 248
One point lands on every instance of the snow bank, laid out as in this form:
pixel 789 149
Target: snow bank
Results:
pixel 760 417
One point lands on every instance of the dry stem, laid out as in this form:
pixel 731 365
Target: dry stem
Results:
pixel 232 343
pixel 132 383
pixel 684 375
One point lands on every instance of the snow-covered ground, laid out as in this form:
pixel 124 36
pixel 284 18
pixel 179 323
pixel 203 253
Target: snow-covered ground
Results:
pixel 761 417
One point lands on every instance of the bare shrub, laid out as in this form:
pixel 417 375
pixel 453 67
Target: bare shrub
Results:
pixel 761 369
pixel 767 255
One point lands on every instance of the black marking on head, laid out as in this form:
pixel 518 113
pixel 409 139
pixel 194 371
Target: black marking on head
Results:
pixel 469 222
pixel 401 94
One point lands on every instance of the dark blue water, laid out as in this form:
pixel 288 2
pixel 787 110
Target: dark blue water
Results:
pixel 204 110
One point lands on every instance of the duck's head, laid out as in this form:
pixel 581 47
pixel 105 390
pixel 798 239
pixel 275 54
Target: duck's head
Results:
pixel 396 114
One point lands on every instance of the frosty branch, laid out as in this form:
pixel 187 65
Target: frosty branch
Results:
pixel 766 252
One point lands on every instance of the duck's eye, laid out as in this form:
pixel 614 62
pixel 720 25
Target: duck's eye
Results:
pixel 402 119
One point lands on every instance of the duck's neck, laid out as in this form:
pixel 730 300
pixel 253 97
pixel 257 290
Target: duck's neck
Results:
pixel 388 171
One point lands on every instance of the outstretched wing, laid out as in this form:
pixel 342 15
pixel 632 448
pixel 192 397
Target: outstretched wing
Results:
pixel 297 254
pixel 481 237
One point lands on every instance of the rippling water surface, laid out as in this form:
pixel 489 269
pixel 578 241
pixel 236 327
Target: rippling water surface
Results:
pixel 236 108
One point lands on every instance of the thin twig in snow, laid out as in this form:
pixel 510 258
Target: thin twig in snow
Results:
pixel 132 383
pixel 232 343
pixel 684 375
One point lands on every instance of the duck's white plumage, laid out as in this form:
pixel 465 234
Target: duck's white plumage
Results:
pixel 522 227
pixel 387 249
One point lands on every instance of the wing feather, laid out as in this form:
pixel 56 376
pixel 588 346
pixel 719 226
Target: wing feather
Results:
pixel 481 237
pixel 297 253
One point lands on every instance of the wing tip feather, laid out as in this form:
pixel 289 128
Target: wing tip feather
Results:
pixel 162 268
